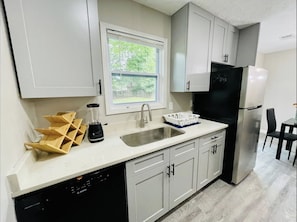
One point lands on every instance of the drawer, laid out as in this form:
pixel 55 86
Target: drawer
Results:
pixel 147 162
pixel 212 137
pixel 184 148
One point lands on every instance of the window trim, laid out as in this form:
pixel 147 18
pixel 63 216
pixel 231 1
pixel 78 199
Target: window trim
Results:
pixel 162 84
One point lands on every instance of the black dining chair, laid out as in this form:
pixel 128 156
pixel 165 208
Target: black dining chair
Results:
pixel 271 130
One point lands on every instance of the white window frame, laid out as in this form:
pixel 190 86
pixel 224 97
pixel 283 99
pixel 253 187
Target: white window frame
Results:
pixel 161 96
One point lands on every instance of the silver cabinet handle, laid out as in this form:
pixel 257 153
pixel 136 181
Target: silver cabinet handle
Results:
pixel 188 85
pixel 168 171
pixel 172 171
pixel 214 149
pixel 226 58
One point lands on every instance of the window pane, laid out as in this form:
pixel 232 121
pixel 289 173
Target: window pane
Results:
pixel 133 88
pixel 132 57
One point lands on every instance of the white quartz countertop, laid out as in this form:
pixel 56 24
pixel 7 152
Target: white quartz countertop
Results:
pixel 34 172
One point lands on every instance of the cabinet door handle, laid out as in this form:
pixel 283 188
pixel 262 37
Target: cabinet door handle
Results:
pixel 168 171
pixel 100 87
pixel 188 85
pixel 172 169
pixel 226 56
pixel 214 149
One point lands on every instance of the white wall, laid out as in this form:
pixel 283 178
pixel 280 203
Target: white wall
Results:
pixel 14 119
pixel 18 117
pixel 281 86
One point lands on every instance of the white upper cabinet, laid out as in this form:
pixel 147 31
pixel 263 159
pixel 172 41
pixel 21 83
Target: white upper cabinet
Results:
pixel 225 41
pixel 232 44
pixel 191 46
pixel 248 45
pixel 56 47
pixel 219 40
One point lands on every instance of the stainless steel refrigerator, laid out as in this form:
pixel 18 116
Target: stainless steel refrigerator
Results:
pixel 235 98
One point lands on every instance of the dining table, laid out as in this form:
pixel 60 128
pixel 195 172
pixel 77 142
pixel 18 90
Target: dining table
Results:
pixel 291 123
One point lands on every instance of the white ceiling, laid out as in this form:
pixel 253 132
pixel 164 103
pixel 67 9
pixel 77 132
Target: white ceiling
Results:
pixel 277 17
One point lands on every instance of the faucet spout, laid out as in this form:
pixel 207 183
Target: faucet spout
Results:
pixel 142 121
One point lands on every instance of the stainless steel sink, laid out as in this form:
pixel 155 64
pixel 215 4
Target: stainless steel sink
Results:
pixel 149 136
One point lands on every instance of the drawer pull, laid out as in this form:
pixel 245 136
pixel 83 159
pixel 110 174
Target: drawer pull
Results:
pixel 214 137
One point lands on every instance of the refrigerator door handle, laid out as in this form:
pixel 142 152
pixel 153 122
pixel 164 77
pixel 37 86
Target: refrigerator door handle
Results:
pixel 252 107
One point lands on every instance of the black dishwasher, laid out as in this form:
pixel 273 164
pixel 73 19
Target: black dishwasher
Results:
pixel 97 196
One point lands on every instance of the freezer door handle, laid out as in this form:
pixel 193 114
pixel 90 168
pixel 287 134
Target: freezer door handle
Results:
pixel 252 107
pixel 255 107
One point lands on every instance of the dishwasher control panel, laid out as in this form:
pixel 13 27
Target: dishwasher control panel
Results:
pixel 81 184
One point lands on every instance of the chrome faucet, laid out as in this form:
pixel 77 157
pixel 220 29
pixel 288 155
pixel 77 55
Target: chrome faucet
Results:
pixel 142 121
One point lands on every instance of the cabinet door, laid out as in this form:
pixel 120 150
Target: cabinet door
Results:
pixel 248 45
pixel 148 186
pixel 148 195
pixel 216 160
pixel 225 42
pixel 199 46
pixel 203 167
pixel 219 41
pixel 232 43
pixel 210 160
pixel 56 47
pixel 183 169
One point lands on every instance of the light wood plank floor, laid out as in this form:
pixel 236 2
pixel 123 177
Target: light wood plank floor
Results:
pixel 267 194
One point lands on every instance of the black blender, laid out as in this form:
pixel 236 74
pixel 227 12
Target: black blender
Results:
pixel 95 131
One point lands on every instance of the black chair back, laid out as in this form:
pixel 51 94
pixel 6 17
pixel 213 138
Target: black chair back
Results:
pixel 271 121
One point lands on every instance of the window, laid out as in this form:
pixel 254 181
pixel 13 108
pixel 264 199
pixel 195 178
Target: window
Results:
pixel 134 69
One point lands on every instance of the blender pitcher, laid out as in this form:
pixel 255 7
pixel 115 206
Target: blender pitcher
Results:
pixel 95 131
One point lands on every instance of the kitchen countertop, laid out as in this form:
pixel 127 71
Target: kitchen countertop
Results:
pixel 33 172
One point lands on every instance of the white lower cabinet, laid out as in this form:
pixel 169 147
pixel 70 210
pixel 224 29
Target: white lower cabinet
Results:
pixel 147 186
pixel 183 168
pixel 211 153
pixel 158 182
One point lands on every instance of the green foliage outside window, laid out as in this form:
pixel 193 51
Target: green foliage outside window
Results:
pixel 134 70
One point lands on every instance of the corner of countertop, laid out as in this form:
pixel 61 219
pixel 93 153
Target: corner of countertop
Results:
pixel 20 169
